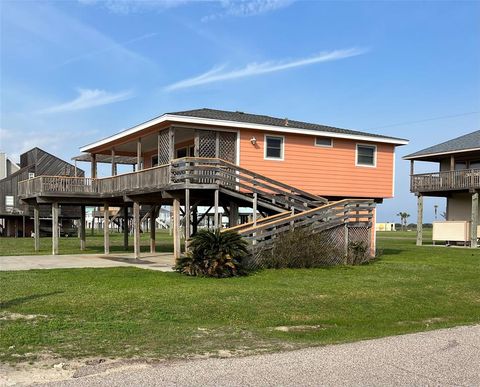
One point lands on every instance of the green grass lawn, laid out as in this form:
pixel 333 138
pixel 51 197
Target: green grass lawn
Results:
pixel 125 312
pixel 94 244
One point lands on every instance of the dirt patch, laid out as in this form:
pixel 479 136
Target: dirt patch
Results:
pixel 300 328
pixel 10 316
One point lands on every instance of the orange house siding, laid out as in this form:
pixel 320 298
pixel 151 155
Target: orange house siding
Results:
pixel 321 170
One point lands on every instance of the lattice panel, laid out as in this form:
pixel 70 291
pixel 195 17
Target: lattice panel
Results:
pixel 164 144
pixel 207 143
pixel 227 146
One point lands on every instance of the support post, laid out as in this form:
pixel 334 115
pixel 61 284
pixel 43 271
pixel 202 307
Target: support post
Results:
pixel 139 154
pixel 114 163
pixel 187 218
pixel 452 163
pixel 412 167
pixel 176 228
pixel 36 225
pixel 233 215
pixel 153 218
pixel 82 228
pixel 125 228
pixel 93 166
pixel 474 224
pixel 171 150
pixel 194 220
pixel 136 229
pixel 254 215
pixel 55 228
pixel 216 220
pixel 106 229
pixel 419 219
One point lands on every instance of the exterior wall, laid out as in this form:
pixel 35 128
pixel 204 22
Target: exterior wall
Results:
pixel 322 170
pixel 459 207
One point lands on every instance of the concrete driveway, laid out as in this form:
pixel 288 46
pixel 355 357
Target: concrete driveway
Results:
pixel 160 261
pixel 448 357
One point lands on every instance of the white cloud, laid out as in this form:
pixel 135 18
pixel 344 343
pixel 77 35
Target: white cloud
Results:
pixel 88 98
pixel 218 73
pixel 112 47
pixel 247 8
pixel 126 7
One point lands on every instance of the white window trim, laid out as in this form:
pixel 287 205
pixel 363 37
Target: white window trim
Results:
pixel 374 156
pixel 265 147
pixel 323 146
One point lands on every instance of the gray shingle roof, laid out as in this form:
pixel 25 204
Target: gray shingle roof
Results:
pixel 467 141
pixel 267 120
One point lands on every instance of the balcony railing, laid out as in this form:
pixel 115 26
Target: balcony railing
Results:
pixel 85 186
pixel 446 181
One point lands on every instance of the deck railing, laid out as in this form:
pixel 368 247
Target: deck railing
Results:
pixel 202 172
pixel 445 181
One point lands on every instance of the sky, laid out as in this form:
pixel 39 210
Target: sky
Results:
pixel 76 71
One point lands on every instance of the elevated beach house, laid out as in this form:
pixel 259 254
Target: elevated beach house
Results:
pixel 16 217
pixel 290 173
pixel 457 178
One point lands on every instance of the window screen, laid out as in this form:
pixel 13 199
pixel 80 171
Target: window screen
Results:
pixel 366 155
pixel 273 147
pixel 323 141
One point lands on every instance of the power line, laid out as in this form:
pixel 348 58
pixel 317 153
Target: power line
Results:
pixel 424 120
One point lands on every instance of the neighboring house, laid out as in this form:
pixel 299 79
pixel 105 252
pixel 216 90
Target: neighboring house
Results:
pixel 7 166
pixel 385 226
pixel 16 217
pixel 289 172
pixel 458 180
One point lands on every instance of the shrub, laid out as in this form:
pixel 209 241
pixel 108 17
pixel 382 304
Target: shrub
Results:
pixel 214 254
pixel 300 248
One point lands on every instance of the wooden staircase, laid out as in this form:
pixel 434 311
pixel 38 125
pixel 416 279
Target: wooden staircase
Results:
pixel 293 207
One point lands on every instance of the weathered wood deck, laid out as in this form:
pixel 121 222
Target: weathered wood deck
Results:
pixel 465 179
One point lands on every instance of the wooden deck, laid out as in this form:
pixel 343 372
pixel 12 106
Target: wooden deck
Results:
pixel 465 179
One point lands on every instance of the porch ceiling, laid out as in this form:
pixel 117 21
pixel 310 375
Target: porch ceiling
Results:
pixel 149 143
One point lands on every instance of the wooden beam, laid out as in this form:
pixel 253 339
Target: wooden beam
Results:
pixel 106 229
pixel 176 229
pixel 474 224
pixel 114 164
pixel 254 215
pixel 93 165
pixel 233 215
pixel 419 219
pixel 139 154
pixel 125 228
pixel 153 218
pixel 188 220
pixel 196 143
pixel 136 229
pixel 452 163
pixel 36 225
pixel 215 199
pixel 412 167
pixel 82 228
pixel 55 228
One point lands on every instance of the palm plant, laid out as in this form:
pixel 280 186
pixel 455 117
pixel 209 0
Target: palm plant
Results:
pixel 403 219
pixel 214 254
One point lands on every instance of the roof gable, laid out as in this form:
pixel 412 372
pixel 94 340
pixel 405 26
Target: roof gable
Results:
pixel 470 141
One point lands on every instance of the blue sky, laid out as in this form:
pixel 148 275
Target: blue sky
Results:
pixel 75 71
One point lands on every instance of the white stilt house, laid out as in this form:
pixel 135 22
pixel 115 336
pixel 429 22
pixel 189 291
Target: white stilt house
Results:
pixel 458 180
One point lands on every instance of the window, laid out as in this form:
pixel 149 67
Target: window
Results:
pixel 274 147
pixel 181 152
pixel 366 155
pixel 31 175
pixel 460 165
pixel 324 141
pixel 474 165
pixel 154 161
pixel 9 201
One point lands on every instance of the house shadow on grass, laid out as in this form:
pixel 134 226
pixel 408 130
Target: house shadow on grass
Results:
pixel 22 300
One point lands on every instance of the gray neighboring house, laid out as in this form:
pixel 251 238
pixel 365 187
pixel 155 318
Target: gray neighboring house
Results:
pixel 458 180
pixel 15 216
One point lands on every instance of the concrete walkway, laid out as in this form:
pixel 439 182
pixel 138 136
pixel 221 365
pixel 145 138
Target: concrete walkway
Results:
pixel 449 357
pixel 160 261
